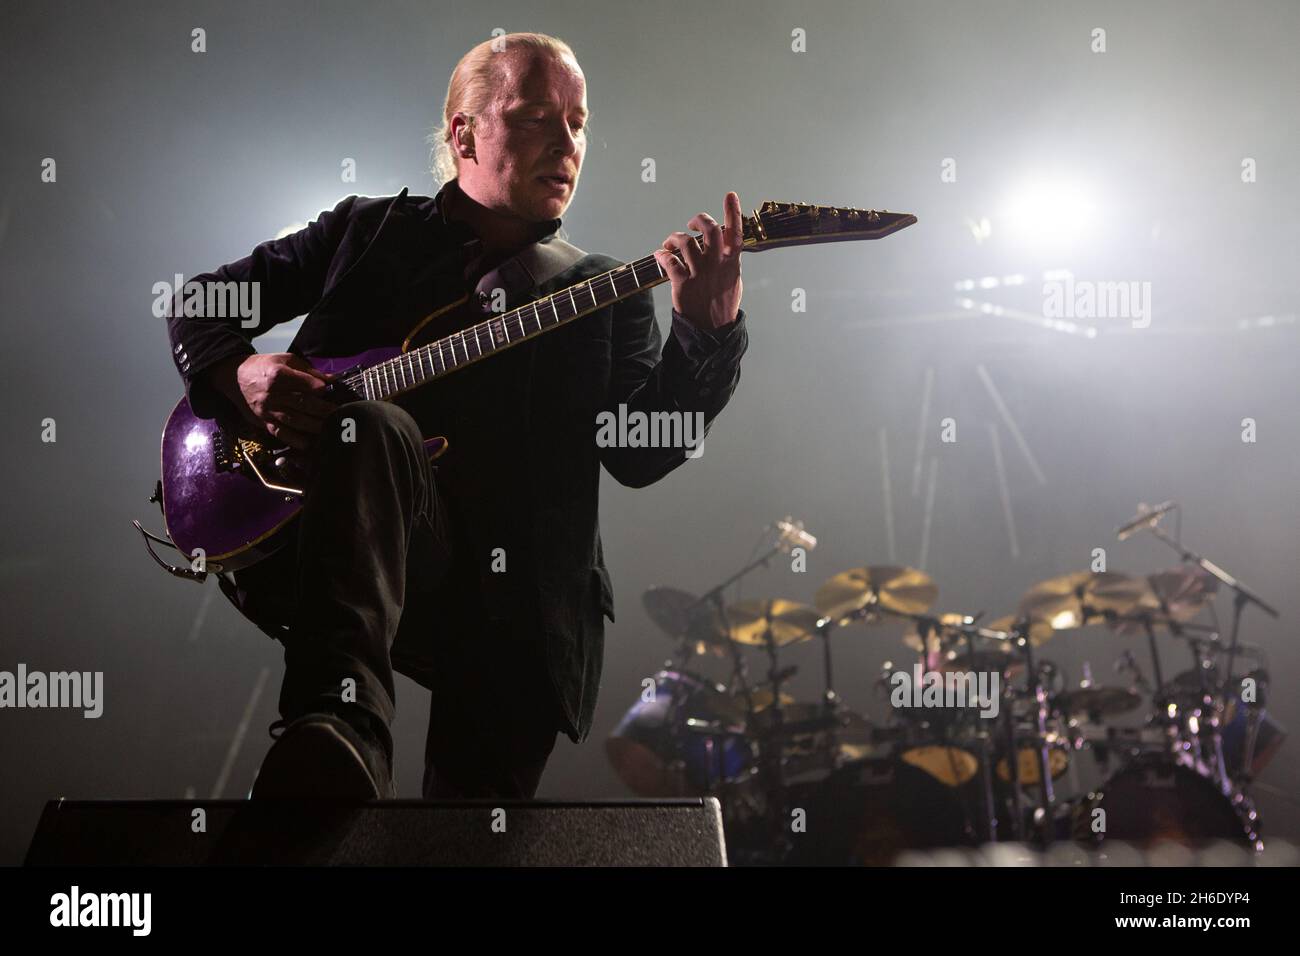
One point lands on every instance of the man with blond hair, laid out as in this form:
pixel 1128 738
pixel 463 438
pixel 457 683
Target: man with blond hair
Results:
pixel 483 579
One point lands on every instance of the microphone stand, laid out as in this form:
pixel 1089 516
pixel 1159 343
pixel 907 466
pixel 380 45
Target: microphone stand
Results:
pixel 774 786
pixel 1242 596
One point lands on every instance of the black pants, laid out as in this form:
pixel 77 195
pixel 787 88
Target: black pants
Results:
pixel 378 549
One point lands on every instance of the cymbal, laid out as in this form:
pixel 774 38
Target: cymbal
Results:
pixel 898 589
pixel 680 614
pixel 1071 601
pixel 1057 602
pixel 1121 593
pixel 1039 631
pixel 785 622
pixel 1181 593
pixel 1099 701
pixel 1184 590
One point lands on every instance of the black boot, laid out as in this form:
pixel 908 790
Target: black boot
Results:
pixel 322 755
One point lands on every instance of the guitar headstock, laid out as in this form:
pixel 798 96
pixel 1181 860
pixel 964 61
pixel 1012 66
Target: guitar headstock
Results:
pixel 777 224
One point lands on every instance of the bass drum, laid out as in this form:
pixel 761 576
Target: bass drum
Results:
pixel 1153 800
pixel 868 812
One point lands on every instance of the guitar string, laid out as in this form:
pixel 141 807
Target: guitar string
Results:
pixel 489 327
pixel 399 367
pixel 600 284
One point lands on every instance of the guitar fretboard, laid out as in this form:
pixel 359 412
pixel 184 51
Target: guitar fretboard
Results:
pixel 428 362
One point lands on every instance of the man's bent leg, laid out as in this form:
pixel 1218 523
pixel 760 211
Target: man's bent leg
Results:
pixel 371 487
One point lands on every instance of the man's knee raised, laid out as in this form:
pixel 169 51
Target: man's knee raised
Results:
pixel 367 422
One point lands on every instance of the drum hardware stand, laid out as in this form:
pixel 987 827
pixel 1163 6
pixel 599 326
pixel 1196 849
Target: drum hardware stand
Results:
pixel 1035 687
pixel 1210 702
pixel 830 699
pixel 926 625
pixel 713 597
pixel 1013 762
pixel 770 756
pixel 985 756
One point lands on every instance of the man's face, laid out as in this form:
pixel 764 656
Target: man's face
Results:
pixel 535 130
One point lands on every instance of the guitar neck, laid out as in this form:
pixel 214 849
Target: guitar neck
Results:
pixel 421 365
pixel 772 226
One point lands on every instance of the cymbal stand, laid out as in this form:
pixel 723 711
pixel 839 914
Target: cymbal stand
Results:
pixel 1035 686
pixel 985 754
pixel 830 700
pixel 713 597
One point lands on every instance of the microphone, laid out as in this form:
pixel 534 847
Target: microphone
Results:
pixel 792 535
pixel 1145 518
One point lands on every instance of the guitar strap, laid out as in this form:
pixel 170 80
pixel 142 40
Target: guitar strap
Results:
pixel 528 270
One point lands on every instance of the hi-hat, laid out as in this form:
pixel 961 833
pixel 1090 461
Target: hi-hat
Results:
pixel 898 589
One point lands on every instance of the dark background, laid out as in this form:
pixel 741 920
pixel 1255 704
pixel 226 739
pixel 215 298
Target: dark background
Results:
pixel 171 161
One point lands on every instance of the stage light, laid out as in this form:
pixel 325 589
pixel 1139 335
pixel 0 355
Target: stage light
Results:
pixel 1048 213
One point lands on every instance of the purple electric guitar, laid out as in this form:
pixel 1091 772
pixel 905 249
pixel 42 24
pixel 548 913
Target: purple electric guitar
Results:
pixel 228 492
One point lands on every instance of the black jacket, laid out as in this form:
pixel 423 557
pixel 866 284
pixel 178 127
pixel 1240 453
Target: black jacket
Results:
pixel 523 462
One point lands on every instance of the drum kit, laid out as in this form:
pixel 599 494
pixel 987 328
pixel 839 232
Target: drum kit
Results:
pixel 815 782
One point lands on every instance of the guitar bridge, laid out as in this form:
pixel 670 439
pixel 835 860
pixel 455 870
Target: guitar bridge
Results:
pixel 225 454
pixel 232 452
pixel 269 465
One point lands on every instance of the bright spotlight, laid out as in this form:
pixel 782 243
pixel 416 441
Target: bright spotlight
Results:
pixel 1049 213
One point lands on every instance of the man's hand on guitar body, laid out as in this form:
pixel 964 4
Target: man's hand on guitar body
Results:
pixel 707 288
pixel 279 394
